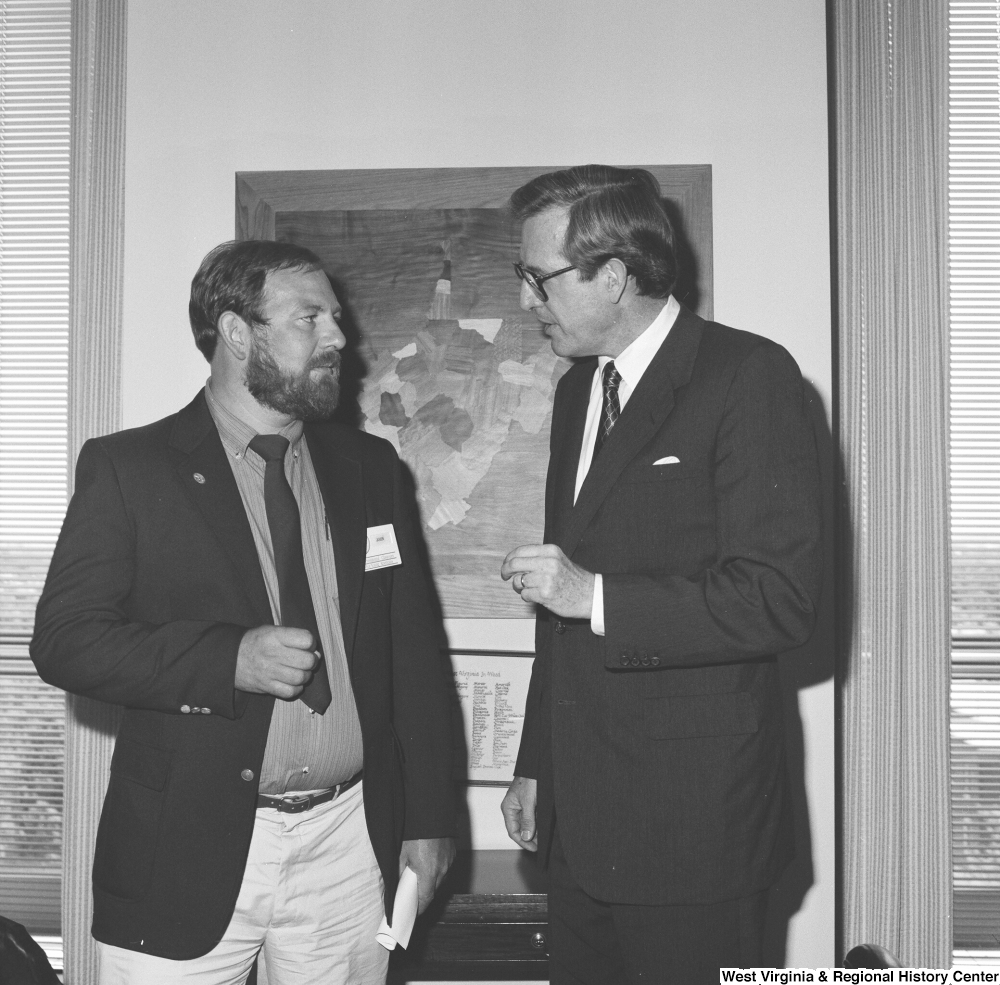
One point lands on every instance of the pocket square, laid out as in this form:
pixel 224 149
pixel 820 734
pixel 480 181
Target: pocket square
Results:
pixel 669 460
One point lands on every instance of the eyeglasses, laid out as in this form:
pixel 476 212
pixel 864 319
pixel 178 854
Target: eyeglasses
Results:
pixel 535 281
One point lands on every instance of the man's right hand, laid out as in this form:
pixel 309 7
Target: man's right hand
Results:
pixel 518 808
pixel 276 660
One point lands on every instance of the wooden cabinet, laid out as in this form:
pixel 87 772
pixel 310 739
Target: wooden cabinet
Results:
pixel 488 922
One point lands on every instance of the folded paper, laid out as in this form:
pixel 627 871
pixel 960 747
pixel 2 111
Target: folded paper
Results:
pixel 404 912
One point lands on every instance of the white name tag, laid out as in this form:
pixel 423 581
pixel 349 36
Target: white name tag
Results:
pixel 382 550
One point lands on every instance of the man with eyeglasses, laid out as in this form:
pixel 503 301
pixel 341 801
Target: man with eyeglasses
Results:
pixel 681 555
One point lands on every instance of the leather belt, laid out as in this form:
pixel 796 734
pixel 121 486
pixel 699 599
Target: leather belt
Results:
pixel 296 805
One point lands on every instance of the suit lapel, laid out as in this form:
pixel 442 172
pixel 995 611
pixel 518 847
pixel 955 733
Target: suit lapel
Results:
pixel 197 450
pixel 342 486
pixel 642 417
pixel 566 449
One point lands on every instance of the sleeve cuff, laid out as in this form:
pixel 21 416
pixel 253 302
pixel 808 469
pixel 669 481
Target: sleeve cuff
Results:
pixel 597 608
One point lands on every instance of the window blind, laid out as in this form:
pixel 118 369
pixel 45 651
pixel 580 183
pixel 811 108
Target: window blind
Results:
pixel 974 248
pixel 34 302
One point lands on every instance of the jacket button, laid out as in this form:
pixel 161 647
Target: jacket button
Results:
pixel 635 660
pixel 645 660
pixel 560 626
pixel 655 661
pixel 247 774
pixel 206 711
pixel 185 709
pixel 195 710
pixel 625 660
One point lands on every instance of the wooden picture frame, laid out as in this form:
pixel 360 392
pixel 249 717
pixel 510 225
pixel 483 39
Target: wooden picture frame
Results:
pixel 441 360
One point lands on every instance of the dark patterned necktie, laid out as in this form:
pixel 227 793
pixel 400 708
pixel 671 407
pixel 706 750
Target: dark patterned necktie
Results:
pixel 294 600
pixel 610 409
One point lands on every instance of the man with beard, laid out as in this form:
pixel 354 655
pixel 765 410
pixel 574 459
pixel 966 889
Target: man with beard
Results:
pixel 284 752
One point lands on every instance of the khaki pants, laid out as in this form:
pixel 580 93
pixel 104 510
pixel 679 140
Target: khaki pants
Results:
pixel 310 903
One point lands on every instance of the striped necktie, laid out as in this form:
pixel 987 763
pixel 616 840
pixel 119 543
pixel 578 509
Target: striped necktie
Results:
pixel 610 409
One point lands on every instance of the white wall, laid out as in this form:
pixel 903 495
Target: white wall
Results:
pixel 240 85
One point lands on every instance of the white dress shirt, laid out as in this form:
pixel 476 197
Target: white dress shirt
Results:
pixel 631 363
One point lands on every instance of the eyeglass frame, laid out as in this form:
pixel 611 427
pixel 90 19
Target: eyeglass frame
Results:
pixel 535 281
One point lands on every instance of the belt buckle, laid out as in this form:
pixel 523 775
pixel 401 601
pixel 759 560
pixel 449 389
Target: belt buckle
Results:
pixel 294 805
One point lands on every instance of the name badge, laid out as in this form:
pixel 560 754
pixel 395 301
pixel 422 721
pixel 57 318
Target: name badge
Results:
pixel 382 550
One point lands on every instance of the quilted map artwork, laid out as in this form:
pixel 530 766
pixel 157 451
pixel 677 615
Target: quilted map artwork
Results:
pixel 455 375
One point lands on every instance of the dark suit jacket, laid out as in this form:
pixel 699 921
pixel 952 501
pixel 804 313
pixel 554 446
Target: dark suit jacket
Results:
pixel 154 581
pixel 659 746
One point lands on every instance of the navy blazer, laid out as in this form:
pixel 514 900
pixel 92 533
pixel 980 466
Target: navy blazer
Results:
pixel 659 746
pixel 154 581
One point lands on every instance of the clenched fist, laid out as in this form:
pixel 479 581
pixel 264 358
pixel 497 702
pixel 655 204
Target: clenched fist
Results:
pixel 276 660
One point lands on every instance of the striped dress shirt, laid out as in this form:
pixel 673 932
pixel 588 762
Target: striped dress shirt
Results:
pixel 305 752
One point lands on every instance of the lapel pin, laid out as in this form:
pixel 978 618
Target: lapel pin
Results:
pixel 199 478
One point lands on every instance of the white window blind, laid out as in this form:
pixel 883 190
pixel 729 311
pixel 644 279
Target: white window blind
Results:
pixel 974 246
pixel 34 300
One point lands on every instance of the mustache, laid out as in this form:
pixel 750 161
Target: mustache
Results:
pixel 325 360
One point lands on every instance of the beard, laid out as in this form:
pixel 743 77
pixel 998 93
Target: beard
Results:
pixel 295 394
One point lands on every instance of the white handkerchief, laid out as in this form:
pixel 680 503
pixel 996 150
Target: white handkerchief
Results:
pixel 382 550
pixel 404 912
pixel 669 460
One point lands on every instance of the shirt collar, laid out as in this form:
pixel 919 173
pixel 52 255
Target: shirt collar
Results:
pixel 635 358
pixel 237 431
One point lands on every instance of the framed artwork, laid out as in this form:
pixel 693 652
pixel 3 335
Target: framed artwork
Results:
pixel 441 360
pixel 491 687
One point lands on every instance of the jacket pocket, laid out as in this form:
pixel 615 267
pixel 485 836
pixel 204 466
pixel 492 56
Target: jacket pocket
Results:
pixel 700 715
pixel 130 822
pixel 667 473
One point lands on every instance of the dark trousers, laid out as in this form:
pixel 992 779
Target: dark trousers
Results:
pixel 595 943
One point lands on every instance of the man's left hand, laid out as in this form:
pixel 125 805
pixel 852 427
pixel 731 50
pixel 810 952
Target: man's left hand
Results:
pixel 543 574
pixel 430 859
